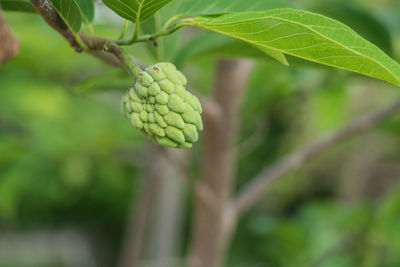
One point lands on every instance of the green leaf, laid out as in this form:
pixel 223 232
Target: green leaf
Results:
pixel 17 5
pixel 87 10
pixel 210 44
pixel 212 7
pixel 207 7
pixel 305 35
pixel 360 20
pixel 70 12
pixel 136 11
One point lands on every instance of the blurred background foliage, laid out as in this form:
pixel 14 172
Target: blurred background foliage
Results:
pixel 70 163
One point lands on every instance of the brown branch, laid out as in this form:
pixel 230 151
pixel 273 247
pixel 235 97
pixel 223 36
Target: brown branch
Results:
pixel 8 43
pixel 102 48
pixel 50 15
pixel 257 186
pixel 107 58
pixel 213 227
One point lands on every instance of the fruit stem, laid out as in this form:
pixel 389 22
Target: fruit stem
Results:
pixel 124 58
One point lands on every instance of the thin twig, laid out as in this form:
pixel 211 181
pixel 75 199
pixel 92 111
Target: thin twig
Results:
pixel 257 186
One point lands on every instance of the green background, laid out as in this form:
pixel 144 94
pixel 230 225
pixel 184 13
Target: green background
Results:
pixel 70 162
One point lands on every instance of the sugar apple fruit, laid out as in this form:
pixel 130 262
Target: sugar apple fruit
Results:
pixel 160 107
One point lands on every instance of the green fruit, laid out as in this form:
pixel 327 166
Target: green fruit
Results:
pixel 160 107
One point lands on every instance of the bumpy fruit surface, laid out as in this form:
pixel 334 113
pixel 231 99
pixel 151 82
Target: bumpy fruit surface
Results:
pixel 160 107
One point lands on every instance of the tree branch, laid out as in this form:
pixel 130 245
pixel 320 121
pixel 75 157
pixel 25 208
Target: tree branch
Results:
pixel 8 43
pixel 102 48
pixel 213 227
pixel 50 15
pixel 257 186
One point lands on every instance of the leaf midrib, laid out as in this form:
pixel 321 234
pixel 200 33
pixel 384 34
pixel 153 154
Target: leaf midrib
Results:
pixel 309 28
pixel 139 10
pixel 126 5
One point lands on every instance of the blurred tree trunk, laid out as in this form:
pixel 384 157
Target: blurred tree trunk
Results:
pixel 152 231
pixel 8 43
pixel 213 225
pixel 165 225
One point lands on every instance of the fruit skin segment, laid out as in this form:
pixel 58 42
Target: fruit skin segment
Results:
pixel 160 106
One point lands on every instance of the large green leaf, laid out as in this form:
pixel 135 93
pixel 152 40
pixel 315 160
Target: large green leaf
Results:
pixel 363 22
pixel 70 12
pixel 136 11
pixel 306 35
pixel 207 7
pixel 232 48
pixel 215 45
pixel 17 5
pixel 87 10
pixel 211 44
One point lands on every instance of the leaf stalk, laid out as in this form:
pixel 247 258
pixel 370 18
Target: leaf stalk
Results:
pixel 148 37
